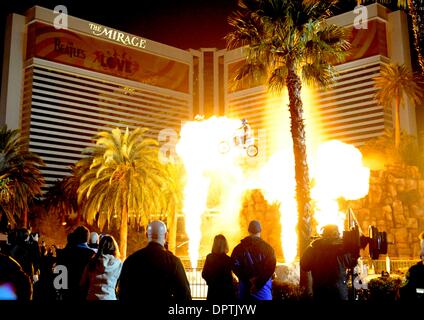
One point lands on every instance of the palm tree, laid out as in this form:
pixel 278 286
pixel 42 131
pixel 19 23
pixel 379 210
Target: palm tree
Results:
pixel 55 201
pixel 5 197
pixel 289 41
pixel 124 181
pixel 5 192
pixel 71 184
pixel 20 175
pixel 394 83
pixel 62 198
pixel 174 194
pixel 412 10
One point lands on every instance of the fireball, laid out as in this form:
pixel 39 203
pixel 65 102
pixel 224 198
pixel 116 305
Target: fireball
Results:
pixel 200 150
pixel 338 172
pixel 217 180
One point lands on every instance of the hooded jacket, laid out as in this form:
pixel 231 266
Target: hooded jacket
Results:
pixel 254 264
pixel 100 277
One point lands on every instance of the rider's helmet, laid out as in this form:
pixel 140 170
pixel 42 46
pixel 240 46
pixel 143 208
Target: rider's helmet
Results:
pixel 243 121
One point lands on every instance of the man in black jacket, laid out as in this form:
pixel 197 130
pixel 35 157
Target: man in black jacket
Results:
pixel 254 264
pixel 328 261
pixel 75 257
pixel 154 274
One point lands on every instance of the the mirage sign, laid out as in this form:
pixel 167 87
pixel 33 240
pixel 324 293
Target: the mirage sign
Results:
pixel 117 36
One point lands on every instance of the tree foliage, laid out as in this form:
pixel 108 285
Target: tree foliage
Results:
pixel 20 175
pixel 125 181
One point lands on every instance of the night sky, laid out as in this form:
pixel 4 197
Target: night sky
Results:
pixel 180 23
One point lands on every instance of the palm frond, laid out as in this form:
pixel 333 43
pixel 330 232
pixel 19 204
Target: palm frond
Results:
pixel 278 33
pixel 277 80
pixel 22 169
pixel 125 171
pixel 396 81
pixel 321 75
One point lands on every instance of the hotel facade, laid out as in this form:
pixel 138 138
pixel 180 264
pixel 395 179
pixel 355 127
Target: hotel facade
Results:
pixel 347 110
pixel 62 86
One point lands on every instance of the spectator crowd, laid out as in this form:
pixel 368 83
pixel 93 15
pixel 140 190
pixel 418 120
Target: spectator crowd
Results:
pixel 89 267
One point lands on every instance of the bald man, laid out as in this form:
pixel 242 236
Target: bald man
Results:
pixel 154 273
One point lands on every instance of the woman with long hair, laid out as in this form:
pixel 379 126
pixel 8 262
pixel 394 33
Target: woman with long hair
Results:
pixel 217 272
pixel 102 272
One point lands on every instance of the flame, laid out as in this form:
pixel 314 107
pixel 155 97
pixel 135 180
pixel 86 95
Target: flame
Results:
pixel 277 182
pixel 338 172
pixel 216 181
pixel 199 149
pixel 277 176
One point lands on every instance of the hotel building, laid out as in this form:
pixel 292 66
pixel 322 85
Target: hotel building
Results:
pixel 62 86
pixel 347 111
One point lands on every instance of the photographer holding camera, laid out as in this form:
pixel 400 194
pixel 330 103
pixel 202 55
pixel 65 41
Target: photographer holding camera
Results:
pixel 328 260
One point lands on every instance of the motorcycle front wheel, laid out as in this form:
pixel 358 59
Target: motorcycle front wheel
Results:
pixel 252 150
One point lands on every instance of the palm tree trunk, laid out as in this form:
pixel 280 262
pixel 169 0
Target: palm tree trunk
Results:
pixel 397 122
pixel 294 87
pixel 172 232
pixel 78 220
pixel 415 30
pixel 25 217
pixel 123 234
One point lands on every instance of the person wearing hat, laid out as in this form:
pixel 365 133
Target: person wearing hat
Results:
pixel 327 260
pixel 254 262
pixel 154 274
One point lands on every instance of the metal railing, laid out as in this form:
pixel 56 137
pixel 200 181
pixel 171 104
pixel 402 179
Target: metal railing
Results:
pixel 198 286
pixel 395 265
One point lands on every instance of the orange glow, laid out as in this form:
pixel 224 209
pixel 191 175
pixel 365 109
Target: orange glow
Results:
pixel 277 182
pixel 206 166
pixel 338 172
pixel 216 181
pixel 277 177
